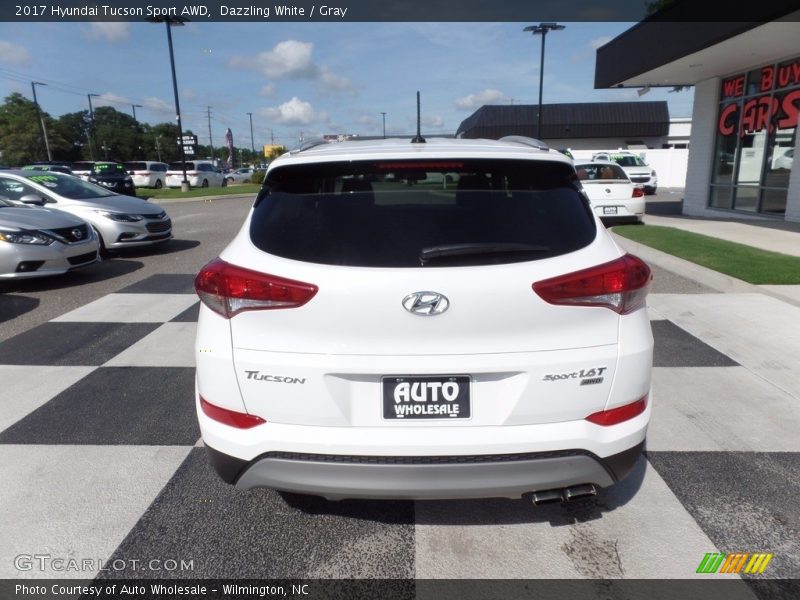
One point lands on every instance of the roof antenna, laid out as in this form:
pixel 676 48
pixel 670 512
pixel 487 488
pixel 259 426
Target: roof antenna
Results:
pixel 419 139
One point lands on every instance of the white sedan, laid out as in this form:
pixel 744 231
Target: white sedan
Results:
pixel 242 175
pixel 614 198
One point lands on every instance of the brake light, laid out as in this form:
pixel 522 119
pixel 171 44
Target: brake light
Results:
pixel 614 416
pixel 228 290
pixel 229 417
pixel 637 192
pixel 620 285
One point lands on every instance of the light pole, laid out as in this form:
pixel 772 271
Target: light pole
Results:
pixel 383 114
pixel 542 28
pixel 175 21
pixel 41 118
pixel 134 107
pixel 92 140
pixel 252 143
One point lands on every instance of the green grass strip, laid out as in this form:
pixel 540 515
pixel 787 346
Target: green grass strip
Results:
pixel 247 188
pixel 747 263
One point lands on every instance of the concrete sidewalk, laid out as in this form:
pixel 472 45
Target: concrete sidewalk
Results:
pixel 760 234
pixel 775 236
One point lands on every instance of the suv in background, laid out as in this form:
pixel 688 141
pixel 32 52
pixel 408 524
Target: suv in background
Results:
pixel 639 172
pixel 112 176
pixel 446 319
pixel 82 169
pixel 147 173
pixel 199 173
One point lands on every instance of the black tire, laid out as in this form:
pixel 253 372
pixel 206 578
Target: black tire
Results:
pixel 225 183
pixel 159 184
pixel 205 183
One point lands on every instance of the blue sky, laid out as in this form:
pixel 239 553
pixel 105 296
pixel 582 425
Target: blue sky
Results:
pixel 313 78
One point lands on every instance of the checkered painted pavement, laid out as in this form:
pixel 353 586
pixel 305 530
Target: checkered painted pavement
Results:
pixel 100 457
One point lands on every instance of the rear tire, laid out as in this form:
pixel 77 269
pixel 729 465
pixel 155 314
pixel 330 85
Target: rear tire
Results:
pixel 205 183
pixel 159 184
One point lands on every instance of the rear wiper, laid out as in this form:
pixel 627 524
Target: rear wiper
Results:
pixel 451 250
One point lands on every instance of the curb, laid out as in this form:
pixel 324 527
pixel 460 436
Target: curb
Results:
pixel 702 275
pixel 249 196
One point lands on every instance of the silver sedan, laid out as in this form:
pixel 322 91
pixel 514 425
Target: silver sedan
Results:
pixel 35 242
pixel 121 221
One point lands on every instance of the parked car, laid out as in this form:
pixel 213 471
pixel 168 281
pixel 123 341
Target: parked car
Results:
pixel 611 193
pixel 199 173
pixel 113 176
pixel 639 172
pixel 121 221
pixel 82 168
pixel 783 160
pixel 37 242
pixel 55 167
pixel 147 173
pixel 369 334
pixel 242 175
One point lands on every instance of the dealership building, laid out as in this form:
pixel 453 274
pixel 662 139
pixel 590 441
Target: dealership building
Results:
pixel 746 79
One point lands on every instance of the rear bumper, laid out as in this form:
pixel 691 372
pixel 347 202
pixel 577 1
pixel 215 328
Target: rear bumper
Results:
pixel 424 477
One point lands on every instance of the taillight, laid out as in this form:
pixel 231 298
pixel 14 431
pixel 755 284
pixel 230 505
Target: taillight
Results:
pixel 228 290
pixel 620 285
pixel 614 416
pixel 637 192
pixel 229 417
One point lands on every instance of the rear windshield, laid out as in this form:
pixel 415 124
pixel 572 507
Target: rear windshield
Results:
pixel 178 166
pixel 421 213
pixel 598 172
pixel 136 166
pixel 628 161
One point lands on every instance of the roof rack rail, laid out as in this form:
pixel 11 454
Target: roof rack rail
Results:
pixel 528 141
pixel 308 144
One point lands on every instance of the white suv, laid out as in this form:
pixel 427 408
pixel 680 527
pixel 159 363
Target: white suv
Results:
pixel 424 320
pixel 148 173
pixel 639 172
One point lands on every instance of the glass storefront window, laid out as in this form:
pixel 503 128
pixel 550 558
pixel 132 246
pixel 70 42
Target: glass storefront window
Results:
pixel 756 136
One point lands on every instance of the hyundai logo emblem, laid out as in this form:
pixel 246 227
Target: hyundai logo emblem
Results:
pixel 426 304
pixel 77 234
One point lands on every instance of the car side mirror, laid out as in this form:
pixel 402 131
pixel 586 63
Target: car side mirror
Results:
pixel 33 199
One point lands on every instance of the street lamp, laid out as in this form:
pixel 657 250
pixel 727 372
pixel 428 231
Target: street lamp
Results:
pixel 542 28
pixel 134 107
pixel 92 140
pixel 383 114
pixel 252 143
pixel 175 21
pixel 41 118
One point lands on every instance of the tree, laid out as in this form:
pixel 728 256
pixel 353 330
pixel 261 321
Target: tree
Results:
pixel 75 128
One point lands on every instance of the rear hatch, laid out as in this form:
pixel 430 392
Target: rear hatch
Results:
pixel 418 275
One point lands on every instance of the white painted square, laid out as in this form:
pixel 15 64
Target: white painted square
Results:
pixel 721 408
pixel 171 345
pixel 638 530
pixel 131 308
pixel 76 502
pixel 26 388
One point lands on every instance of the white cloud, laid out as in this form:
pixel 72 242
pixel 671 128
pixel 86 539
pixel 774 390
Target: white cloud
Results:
pixel 11 53
pixel 601 41
pixel 487 96
pixel 159 106
pixel 293 112
pixel 292 59
pixel 110 99
pixel 269 90
pixel 110 31
pixel 432 122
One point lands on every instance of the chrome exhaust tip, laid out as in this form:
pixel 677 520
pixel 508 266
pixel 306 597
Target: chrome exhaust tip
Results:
pixel 547 497
pixel 580 491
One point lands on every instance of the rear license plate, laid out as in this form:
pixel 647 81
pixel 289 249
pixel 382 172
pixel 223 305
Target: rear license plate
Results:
pixel 609 210
pixel 439 397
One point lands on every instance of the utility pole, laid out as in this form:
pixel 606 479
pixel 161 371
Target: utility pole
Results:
pixel 252 143
pixel 91 136
pixel 42 125
pixel 383 114
pixel 158 147
pixel 135 106
pixel 542 30
pixel 210 141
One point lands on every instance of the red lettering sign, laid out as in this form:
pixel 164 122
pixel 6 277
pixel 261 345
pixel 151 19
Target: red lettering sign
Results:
pixel 733 87
pixel 727 119
pixel 790 105
pixel 767 77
